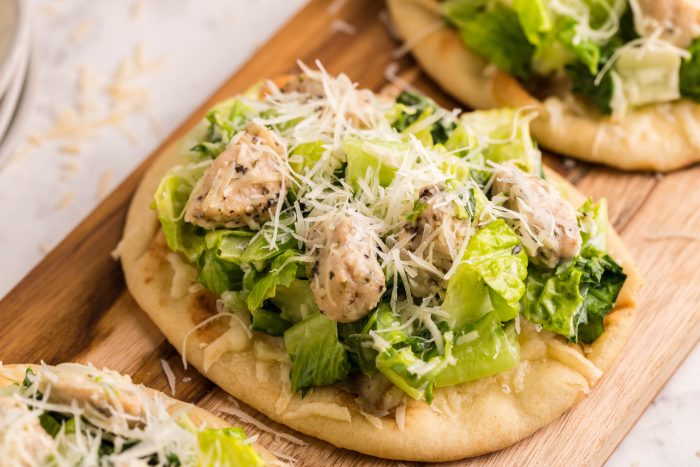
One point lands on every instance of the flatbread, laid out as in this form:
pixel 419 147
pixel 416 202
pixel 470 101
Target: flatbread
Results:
pixel 14 374
pixel 661 137
pixel 464 420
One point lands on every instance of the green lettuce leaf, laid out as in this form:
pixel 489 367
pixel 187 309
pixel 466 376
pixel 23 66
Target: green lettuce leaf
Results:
pixel 574 299
pixel 411 109
pixel 495 33
pixel 216 275
pixel 587 51
pixel 482 349
pixel 225 447
pixel 317 356
pixel 305 156
pixel 489 278
pixel 169 201
pixel 535 19
pixel 283 271
pixel 223 122
pixel 366 157
pixel 269 321
pixel 509 137
pixel 260 251
pixel 412 373
pixel 554 300
pixel 229 244
pixel 296 301
pixel 690 72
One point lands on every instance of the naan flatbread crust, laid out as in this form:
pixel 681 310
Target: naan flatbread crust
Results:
pixel 661 137
pixel 464 420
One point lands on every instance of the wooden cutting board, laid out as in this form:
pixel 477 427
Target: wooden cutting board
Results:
pixel 74 305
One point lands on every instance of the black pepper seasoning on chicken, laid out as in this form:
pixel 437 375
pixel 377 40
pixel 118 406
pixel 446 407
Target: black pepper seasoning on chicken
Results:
pixel 347 280
pixel 551 218
pixel 242 185
pixel 436 235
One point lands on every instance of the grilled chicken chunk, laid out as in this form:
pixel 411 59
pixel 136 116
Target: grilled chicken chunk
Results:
pixel 302 84
pixel 436 236
pixel 242 185
pixel 549 217
pixel 89 393
pixel 347 278
pixel 679 19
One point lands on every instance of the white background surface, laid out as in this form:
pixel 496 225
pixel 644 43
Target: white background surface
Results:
pixel 189 48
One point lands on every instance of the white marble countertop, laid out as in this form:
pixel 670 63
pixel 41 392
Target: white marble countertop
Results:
pixel 173 54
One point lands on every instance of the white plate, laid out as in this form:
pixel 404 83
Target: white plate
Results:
pixel 14 133
pixel 14 35
pixel 9 101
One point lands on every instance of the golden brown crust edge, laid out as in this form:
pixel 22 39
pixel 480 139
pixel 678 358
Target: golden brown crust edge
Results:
pixel 465 420
pixel 661 137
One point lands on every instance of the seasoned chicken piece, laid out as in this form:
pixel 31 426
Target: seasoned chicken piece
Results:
pixel 347 278
pixel 370 391
pixel 302 84
pixel 243 184
pixel 679 19
pixel 436 235
pixel 68 387
pixel 549 226
pixel 22 439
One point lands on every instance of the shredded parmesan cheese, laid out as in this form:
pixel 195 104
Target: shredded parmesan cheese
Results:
pixel 339 25
pixel 66 200
pixel 573 359
pixel 81 30
pixel 321 409
pixel 692 236
pixel 245 418
pixel 400 416
pixel 169 374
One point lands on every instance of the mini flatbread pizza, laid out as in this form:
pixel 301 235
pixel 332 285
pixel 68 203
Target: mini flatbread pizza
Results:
pixel 73 414
pixel 378 272
pixel 614 82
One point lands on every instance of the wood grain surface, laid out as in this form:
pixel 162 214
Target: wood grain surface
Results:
pixel 74 305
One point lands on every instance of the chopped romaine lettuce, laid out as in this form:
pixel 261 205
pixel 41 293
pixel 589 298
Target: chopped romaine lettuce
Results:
pixel 495 33
pixel 411 373
pixel 535 19
pixel 217 275
pixel 170 200
pixel 593 222
pixel 489 278
pixel 268 321
pixel 690 72
pixel 508 133
pixel 409 112
pixel 573 299
pixel 317 356
pixel 226 447
pixel 482 349
pixel 371 159
pixel 223 122
pixel 587 51
pixel 283 271
pixel 296 300
pixel 305 156
pixel 649 75
pixel 229 244
pixel 261 250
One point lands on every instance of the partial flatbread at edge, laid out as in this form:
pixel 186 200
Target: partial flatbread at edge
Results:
pixel 660 137
pixel 464 420
pixel 14 374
